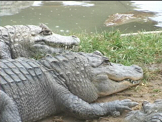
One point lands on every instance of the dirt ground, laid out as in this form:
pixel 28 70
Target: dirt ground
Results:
pixel 149 91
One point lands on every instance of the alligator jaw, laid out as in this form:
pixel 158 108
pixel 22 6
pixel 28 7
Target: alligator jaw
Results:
pixel 61 40
pixel 56 43
pixel 54 48
pixel 117 86
pixel 119 72
pixel 130 80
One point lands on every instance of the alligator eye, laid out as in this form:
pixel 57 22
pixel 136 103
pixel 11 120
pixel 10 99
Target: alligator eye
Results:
pixel 47 32
pixel 106 61
pixel 74 36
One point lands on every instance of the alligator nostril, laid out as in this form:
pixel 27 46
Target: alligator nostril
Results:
pixel 138 69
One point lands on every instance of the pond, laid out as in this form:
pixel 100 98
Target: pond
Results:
pixel 82 16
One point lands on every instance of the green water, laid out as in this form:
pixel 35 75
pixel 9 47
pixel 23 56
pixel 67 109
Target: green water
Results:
pixel 82 17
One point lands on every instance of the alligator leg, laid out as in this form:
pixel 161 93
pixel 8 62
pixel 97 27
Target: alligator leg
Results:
pixel 8 109
pixel 84 110
pixel 81 109
pixel 4 50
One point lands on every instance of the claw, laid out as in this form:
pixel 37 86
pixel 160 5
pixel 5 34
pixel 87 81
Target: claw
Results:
pixel 126 100
pixel 129 103
pixel 126 104
pixel 122 108
pixel 133 104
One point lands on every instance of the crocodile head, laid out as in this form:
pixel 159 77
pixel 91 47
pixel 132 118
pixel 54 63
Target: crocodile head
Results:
pixel 110 78
pixel 45 40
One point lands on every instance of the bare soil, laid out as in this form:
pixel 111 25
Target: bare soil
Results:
pixel 149 91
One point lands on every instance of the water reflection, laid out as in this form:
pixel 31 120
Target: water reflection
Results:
pixel 78 16
pixel 37 3
pixel 77 3
pixel 13 7
pixel 151 6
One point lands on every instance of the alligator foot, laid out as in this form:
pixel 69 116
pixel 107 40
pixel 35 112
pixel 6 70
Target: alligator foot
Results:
pixel 117 107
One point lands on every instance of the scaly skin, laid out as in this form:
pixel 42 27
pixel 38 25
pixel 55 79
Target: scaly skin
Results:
pixel 150 112
pixel 18 40
pixel 69 82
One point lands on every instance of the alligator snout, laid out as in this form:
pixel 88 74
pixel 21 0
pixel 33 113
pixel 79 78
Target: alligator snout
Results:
pixel 77 40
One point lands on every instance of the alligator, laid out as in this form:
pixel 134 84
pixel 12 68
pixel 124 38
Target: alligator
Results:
pixel 69 82
pixel 150 112
pixel 128 17
pixel 26 40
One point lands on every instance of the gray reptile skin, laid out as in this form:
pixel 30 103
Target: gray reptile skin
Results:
pixel 24 40
pixel 150 112
pixel 34 89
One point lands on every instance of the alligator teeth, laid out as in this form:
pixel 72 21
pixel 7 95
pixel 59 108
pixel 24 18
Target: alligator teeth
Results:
pixel 136 82
pixel 57 45
pixel 129 79
pixel 132 81
pixel 73 47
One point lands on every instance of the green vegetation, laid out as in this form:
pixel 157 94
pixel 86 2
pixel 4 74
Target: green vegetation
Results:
pixel 140 49
pixel 156 90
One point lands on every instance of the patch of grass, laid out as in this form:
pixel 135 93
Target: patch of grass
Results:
pixel 151 74
pixel 139 49
pixel 156 90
